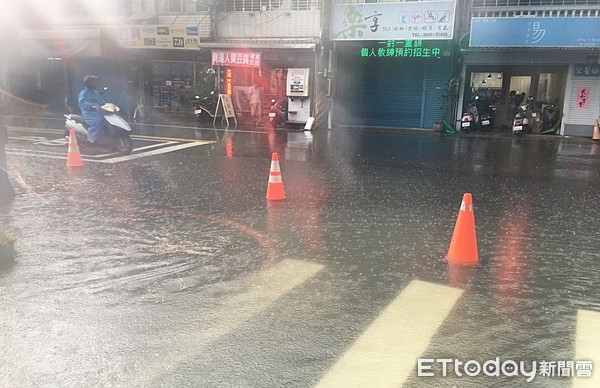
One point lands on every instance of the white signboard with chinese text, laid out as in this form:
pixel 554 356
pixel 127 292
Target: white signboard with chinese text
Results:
pixel 225 109
pixel 426 20
pixel 158 37
pixel 235 58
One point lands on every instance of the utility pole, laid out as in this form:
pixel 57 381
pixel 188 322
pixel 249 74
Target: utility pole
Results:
pixel 7 193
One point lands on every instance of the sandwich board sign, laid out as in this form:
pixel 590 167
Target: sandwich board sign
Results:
pixel 225 109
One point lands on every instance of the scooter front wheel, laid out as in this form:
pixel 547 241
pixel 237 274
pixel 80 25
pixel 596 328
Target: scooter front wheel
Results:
pixel 124 144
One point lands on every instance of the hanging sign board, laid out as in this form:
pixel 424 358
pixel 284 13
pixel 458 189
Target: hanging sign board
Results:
pixel 535 32
pixel 586 70
pixel 235 58
pixel 158 37
pixel 424 20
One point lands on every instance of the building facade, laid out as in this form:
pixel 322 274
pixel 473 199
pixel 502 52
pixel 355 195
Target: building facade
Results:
pixel 370 63
pixel 164 48
pixel 546 49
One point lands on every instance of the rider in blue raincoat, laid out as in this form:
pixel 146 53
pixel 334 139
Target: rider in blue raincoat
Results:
pixel 90 101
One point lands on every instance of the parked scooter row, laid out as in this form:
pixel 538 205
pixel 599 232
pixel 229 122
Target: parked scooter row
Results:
pixel 479 116
pixel 522 123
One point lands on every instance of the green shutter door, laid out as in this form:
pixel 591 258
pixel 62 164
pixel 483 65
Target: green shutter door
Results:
pixel 438 75
pixel 390 92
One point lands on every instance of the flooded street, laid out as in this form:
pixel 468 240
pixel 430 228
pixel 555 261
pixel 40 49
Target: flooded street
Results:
pixel 173 270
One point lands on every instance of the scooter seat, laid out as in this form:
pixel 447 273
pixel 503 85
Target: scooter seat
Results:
pixel 78 119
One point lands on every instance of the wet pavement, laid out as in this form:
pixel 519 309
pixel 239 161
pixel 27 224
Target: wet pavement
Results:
pixel 172 270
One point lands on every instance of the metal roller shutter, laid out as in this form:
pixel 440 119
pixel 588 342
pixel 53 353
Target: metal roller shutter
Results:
pixel 404 94
pixel 438 75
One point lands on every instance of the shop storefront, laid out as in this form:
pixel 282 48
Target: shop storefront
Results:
pixel 553 60
pixel 498 89
pixel 582 100
pixel 178 66
pixel 391 84
pixel 267 68
pixel 393 63
pixel 52 64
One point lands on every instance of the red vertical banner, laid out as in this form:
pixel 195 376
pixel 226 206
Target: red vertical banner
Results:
pixel 228 81
pixel 583 95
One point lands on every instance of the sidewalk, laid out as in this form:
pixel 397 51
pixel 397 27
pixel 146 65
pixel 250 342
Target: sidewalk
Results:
pixel 170 125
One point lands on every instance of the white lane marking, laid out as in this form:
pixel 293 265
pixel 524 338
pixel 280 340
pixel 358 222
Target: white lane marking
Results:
pixel 254 296
pixel 154 152
pixel 114 160
pixel 587 347
pixel 154 146
pixel 386 354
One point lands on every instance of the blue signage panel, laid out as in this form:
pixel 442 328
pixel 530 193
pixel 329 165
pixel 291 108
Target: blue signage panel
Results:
pixel 535 32
pixel 586 70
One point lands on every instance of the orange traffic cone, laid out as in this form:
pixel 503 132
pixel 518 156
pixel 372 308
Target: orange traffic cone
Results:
pixel 596 134
pixel 275 187
pixel 73 156
pixel 463 247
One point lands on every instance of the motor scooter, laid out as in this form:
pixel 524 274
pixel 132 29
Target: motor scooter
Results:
pixel 204 109
pixel 550 118
pixel 523 118
pixel 277 113
pixel 116 130
pixel 467 122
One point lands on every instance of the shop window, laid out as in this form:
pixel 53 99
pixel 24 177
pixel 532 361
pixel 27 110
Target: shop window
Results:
pixel 550 87
pixel 79 8
pixel 520 84
pixel 252 5
pixel 486 80
pixel 187 6
pixel 304 5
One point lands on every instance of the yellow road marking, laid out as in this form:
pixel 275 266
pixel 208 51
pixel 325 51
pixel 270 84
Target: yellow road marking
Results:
pixel 255 295
pixel 386 354
pixel 587 347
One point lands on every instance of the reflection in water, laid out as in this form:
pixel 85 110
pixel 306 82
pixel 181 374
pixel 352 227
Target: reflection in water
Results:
pixel 509 262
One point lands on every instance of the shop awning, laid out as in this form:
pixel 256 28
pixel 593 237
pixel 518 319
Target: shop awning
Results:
pixel 260 45
pixel 67 43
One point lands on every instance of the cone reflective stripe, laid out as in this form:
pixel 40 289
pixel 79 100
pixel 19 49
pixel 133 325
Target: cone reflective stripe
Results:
pixel 463 247
pixel 73 155
pixel 275 188
pixel 275 179
pixel 596 134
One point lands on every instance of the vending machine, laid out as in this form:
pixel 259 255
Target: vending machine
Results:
pixel 298 96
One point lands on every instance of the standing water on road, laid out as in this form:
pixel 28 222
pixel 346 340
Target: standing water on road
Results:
pixel 173 270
